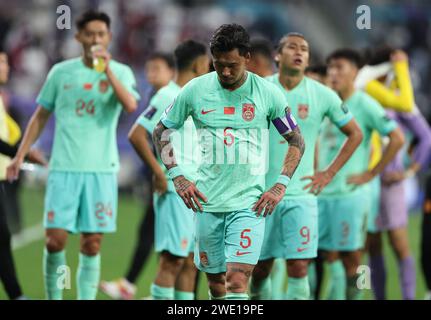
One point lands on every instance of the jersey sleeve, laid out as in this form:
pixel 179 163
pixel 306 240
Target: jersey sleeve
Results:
pixel 378 120
pixel 278 105
pixel 152 114
pixel 49 91
pixel 280 114
pixel 402 102
pixel 179 110
pixel 336 111
pixel 129 82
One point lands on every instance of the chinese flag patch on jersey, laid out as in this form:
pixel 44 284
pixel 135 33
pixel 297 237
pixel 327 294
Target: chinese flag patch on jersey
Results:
pixel 88 86
pixel 248 111
pixel 229 110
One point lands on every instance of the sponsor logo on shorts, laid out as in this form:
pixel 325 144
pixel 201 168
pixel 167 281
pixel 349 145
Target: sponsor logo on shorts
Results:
pixel 301 249
pixel 239 253
pixel 203 258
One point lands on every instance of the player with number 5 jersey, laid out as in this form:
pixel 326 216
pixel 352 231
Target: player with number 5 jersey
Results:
pixel 232 109
pixel 81 193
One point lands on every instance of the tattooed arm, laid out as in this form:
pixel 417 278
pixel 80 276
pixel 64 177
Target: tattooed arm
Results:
pixel 185 188
pixel 294 154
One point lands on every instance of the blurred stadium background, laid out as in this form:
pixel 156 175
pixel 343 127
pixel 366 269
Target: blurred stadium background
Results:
pixel 29 35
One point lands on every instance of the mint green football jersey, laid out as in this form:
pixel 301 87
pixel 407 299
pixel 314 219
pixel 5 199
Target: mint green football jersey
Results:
pixel 184 140
pixel 86 113
pixel 310 103
pixel 370 116
pixel 233 136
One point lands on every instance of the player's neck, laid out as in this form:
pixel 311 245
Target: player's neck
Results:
pixel 87 61
pixel 181 78
pixel 289 80
pixel 347 93
pixel 236 85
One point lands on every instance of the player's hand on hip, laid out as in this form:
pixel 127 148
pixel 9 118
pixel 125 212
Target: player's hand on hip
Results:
pixel 269 200
pixel 189 193
pixel 160 183
pixel 389 178
pixel 12 171
pixel 318 181
pixel 360 179
pixel 36 156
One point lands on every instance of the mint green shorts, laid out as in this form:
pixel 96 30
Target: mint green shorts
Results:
pixel 342 221
pixel 227 237
pixel 174 225
pixel 81 202
pixel 291 230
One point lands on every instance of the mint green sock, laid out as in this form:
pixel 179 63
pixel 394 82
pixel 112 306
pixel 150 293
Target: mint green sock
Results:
pixel 215 298
pixel 337 281
pixel 298 289
pixel 87 277
pixel 162 293
pixel 278 279
pixel 312 279
pixel 353 292
pixel 261 292
pixel 51 262
pixel 236 296
pixel 184 295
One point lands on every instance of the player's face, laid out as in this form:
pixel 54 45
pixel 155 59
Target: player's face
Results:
pixel 295 54
pixel 4 68
pixel 202 65
pixel 230 67
pixel 158 73
pixel 94 33
pixel 341 74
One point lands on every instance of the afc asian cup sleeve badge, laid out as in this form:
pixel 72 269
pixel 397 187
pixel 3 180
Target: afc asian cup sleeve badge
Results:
pixel 303 111
pixel 248 111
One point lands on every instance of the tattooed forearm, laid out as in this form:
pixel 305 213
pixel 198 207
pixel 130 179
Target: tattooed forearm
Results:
pixel 161 142
pixel 277 190
pixel 295 152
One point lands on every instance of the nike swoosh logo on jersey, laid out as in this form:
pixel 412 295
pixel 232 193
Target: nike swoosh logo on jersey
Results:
pixel 208 111
pixel 238 253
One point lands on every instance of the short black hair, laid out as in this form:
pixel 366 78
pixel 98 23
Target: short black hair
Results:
pixel 349 54
pixel 379 55
pixel 92 15
pixel 319 69
pixel 263 47
pixel 228 37
pixel 186 52
pixel 166 57
pixel 283 39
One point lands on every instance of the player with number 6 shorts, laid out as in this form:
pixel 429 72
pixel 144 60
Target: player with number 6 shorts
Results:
pixel 231 109
pixel 81 192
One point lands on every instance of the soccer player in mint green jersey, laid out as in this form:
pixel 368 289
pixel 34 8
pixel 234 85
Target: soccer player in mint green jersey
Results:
pixel 232 110
pixel 291 232
pixel 81 195
pixel 174 227
pixel 345 202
